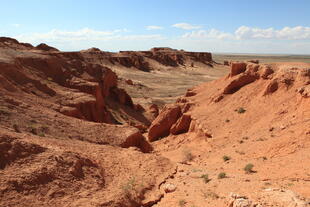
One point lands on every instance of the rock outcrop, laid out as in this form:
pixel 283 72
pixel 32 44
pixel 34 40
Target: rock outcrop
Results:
pixel 140 59
pixel 46 47
pixel 160 127
pixel 237 68
pixel 92 92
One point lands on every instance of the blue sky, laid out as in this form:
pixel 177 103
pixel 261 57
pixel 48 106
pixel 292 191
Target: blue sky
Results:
pixel 244 26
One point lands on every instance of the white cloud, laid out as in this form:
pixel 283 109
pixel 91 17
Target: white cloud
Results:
pixel 85 38
pixel 210 34
pixel 186 26
pixel 249 33
pixel 16 25
pixel 286 33
pixel 153 27
pixel 84 34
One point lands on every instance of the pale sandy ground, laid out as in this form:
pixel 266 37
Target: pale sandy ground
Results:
pixel 263 58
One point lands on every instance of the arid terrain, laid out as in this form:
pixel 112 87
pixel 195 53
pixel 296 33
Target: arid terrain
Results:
pixel 157 128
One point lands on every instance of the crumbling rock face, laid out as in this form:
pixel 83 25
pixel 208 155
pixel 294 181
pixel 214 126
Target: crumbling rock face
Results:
pixel 237 68
pixel 91 88
pixel 131 60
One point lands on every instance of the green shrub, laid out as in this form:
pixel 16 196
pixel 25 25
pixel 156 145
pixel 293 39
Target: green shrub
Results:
pixel 187 156
pixel 221 175
pixel 226 158
pixel 241 110
pixel 182 202
pixel 205 178
pixel 249 168
pixel 129 187
pixel 211 194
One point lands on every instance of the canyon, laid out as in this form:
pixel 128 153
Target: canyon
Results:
pixel 158 128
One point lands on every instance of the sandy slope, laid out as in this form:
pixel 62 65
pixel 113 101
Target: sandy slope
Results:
pixel 272 134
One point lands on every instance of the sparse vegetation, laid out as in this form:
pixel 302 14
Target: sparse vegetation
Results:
pixel 196 170
pixel 241 110
pixel 205 178
pixel 211 194
pixel 187 156
pixel 260 139
pixel 249 168
pixel 240 152
pixel 221 175
pixel 182 202
pixel 226 158
pixel 129 187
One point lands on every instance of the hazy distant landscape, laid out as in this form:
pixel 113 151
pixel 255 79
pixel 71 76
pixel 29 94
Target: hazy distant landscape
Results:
pixel 263 58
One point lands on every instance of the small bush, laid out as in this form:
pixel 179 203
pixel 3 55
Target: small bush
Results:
pixel 187 156
pixel 205 178
pixel 211 194
pixel 221 175
pixel 129 187
pixel 182 202
pixel 249 168
pixel 226 158
pixel 241 110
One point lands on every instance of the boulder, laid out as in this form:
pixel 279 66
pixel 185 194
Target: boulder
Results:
pixel 169 188
pixel 160 127
pixel 182 125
